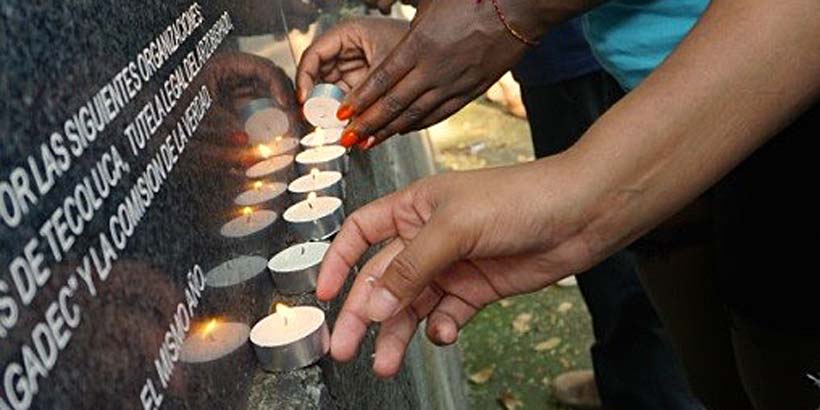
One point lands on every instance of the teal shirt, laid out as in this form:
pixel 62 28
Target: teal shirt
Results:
pixel 632 37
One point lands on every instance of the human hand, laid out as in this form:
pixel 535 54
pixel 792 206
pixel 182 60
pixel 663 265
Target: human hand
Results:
pixel 453 53
pixel 456 242
pixel 347 52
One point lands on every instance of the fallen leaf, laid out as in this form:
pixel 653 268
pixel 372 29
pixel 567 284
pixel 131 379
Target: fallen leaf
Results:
pixel 482 376
pixel 505 303
pixel 509 401
pixel 548 344
pixel 564 307
pixel 521 323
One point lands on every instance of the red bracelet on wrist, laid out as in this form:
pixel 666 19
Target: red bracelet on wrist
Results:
pixel 514 32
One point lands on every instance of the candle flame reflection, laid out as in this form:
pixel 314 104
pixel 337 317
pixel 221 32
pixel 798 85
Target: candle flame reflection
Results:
pixel 264 151
pixel 207 330
pixel 285 311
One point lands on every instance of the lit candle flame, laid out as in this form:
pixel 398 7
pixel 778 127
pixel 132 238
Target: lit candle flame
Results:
pixel 310 198
pixel 247 211
pixel 264 151
pixel 285 311
pixel 320 136
pixel 314 172
pixel 257 185
pixel 207 330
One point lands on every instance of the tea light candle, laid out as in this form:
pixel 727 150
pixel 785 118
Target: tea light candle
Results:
pixel 278 168
pixel 324 158
pixel 295 269
pixel 239 288
pixel 277 145
pixel 262 192
pixel 213 340
pixel 323 183
pixel 322 136
pixel 290 338
pixel 317 217
pixel 250 233
pixel 263 120
pixel 321 106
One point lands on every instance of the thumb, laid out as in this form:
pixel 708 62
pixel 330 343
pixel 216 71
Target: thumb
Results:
pixel 431 252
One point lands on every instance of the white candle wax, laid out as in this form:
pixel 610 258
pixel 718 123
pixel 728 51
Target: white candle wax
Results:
pixel 260 192
pixel 322 136
pixel 265 124
pixel 320 154
pixel 312 209
pixel 269 166
pixel 235 271
pixel 315 181
pixel 288 326
pixel 249 223
pixel 213 341
pixel 322 104
pixel 299 257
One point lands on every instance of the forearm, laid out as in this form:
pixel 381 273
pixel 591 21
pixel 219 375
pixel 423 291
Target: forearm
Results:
pixel 745 71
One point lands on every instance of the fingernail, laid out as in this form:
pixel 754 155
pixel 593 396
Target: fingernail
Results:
pixel 349 138
pixel 366 144
pixel 344 112
pixel 382 305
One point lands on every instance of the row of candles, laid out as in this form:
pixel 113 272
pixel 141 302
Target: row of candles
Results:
pixel 291 337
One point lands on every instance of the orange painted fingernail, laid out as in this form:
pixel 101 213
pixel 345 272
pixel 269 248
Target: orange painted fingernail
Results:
pixel 349 138
pixel 345 111
pixel 366 144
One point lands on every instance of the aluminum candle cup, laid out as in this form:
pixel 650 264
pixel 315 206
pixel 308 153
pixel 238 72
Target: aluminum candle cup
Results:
pixel 239 288
pixel 265 194
pixel 250 233
pixel 213 341
pixel 277 145
pixel 263 120
pixel 315 218
pixel 321 106
pixel 324 158
pixel 323 183
pixel 322 136
pixel 290 338
pixel 276 169
pixel 295 269
pixel 215 350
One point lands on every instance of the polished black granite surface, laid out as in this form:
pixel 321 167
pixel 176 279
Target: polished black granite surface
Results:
pixel 121 157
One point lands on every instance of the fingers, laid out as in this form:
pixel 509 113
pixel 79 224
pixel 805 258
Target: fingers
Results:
pixel 450 315
pixel 324 49
pixel 400 101
pixel 394 336
pixel 376 86
pixel 430 252
pixel 367 226
pixel 352 322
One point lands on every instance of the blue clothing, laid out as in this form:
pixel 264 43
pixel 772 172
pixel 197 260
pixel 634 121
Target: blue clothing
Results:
pixel 632 37
pixel 562 54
